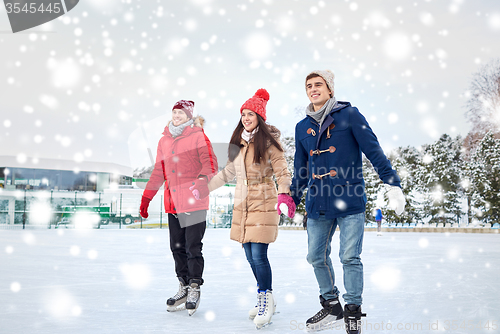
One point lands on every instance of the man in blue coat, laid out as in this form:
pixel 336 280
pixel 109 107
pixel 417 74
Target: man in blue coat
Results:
pixel 328 165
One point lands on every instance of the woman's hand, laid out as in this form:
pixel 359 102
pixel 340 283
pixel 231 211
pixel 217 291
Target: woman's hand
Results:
pixel 144 206
pixel 286 204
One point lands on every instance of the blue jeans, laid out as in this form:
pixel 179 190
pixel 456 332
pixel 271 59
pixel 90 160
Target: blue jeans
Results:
pixel 257 257
pixel 319 237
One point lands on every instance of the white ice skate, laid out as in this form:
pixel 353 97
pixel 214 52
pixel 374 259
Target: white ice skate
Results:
pixel 253 312
pixel 266 309
pixel 193 298
pixel 178 302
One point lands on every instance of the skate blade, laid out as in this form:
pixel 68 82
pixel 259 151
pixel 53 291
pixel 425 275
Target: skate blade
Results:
pixel 253 317
pixel 177 308
pixel 191 312
pixel 260 326
pixel 322 327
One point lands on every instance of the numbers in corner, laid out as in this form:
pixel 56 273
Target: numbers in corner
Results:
pixel 32 8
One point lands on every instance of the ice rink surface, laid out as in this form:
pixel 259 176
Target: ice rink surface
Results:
pixel 117 281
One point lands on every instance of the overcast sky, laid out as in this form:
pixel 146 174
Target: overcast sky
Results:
pixel 81 86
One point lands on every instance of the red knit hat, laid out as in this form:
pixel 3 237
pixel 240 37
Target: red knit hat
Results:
pixel 257 103
pixel 186 106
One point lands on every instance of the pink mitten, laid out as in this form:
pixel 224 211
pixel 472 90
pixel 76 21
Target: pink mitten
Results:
pixel 200 188
pixel 290 204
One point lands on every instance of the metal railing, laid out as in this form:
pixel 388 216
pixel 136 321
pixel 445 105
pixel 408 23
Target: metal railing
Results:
pixel 32 209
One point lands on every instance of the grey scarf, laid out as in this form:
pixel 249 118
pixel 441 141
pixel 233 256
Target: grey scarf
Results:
pixel 176 131
pixel 320 115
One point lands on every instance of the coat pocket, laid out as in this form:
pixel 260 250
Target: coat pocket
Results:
pixel 347 197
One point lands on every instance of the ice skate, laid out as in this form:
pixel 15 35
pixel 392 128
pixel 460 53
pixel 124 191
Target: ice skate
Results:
pixel 352 319
pixel 326 317
pixel 266 309
pixel 177 302
pixel 253 312
pixel 193 296
pixel 379 234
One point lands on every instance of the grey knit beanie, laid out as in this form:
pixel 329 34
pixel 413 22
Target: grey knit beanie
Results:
pixel 327 75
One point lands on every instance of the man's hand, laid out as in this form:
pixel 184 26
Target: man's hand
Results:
pixel 396 198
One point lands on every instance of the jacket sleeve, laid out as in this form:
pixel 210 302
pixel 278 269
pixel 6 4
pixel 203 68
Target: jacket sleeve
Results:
pixel 209 165
pixel 300 170
pixel 280 169
pixel 370 146
pixel 158 176
pixel 223 177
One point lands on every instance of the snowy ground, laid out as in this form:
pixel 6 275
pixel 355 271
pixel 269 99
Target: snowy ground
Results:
pixel 117 281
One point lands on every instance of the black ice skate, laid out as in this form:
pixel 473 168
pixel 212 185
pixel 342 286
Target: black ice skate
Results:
pixel 177 302
pixel 193 296
pixel 326 317
pixel 352 319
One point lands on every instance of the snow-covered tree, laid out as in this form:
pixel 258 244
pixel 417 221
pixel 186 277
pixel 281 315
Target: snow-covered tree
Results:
pixel 372 188
pixel 288 144
pixel 406 161
pixel 439 178
pixel 485 179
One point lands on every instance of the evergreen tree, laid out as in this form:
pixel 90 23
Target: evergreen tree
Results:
pixel 406 161
pixel 288 144
pixel 439 177
pixel 373 186
pixel 485 179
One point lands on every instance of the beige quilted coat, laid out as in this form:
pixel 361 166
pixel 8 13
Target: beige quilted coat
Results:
pixel 255 218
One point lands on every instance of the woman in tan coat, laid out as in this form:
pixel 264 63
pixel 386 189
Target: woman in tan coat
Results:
pixel 255 155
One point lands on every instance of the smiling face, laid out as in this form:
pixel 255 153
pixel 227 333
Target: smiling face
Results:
pixel 249 120
pixel 179 117
pixel 318 92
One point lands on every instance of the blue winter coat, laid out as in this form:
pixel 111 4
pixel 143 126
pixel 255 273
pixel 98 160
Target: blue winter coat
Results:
pixel 345 133
pixel 378 215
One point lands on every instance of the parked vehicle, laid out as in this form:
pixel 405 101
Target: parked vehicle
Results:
pixel 92 217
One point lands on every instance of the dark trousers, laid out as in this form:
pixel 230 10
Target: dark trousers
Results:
pixel 256 254
pixel 186 245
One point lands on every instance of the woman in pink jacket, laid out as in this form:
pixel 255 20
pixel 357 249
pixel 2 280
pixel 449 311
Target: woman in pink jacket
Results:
pixel 185 158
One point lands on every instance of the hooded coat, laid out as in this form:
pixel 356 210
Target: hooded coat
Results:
pixel 179 162
pixel 255 218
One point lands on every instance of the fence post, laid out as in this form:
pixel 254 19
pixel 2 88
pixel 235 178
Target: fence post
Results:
pixel 24 210
pixel 215 203
pixel 121 210
pixel 51 208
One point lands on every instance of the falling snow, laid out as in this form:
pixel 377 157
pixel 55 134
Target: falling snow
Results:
pixel 68 77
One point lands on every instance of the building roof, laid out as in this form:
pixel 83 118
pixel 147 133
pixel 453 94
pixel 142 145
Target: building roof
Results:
pixel 69 165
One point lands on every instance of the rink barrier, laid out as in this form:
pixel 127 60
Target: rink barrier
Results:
pixel 486 230
pixel 436 229
pixel 419 229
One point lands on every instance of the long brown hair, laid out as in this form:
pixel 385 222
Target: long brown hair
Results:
pixel 260 140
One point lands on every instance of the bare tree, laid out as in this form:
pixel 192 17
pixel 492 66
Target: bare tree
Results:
pixel 483 104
